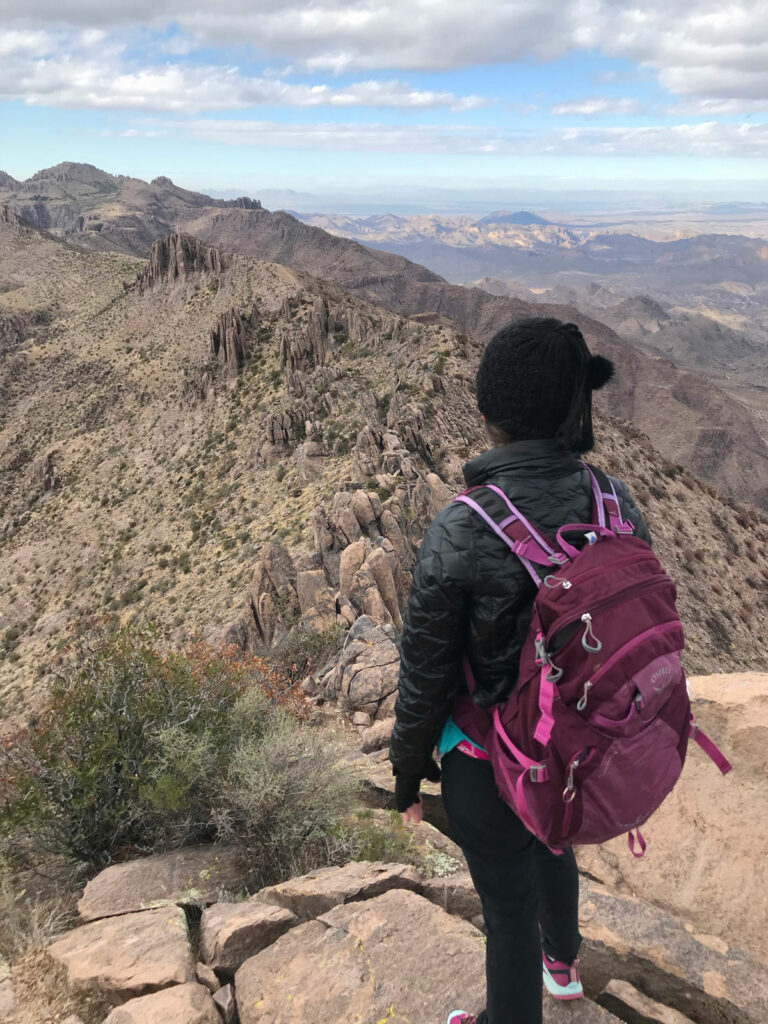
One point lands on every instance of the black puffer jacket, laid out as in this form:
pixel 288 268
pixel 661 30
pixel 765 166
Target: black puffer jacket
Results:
pixel 471 595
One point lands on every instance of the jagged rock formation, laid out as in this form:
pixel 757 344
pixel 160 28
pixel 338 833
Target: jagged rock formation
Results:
pixel 177 257
pixel 230 340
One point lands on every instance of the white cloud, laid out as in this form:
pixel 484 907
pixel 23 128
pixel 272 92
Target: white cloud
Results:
pixel 86 80
pixel 709 139
pixel 594 105
pixel 716 49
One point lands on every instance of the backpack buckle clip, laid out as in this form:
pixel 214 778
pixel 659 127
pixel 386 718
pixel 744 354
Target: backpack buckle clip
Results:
pixel 556 558
pixel 538 773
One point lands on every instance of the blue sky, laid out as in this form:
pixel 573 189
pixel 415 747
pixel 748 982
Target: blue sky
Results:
pixel 321 95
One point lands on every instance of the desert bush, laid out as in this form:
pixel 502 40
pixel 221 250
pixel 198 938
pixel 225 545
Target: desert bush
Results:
pixel 140 750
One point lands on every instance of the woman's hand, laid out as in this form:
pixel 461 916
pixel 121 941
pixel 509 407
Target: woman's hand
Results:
pixel 415 813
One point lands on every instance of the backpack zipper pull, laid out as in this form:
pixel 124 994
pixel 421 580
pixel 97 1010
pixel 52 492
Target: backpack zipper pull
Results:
pixel 569 792
pixel 589 641
pixel 582 703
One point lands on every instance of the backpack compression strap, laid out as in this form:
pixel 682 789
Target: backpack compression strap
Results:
pixel 606 510
pixel 521 537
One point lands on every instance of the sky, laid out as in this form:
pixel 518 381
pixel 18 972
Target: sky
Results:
pixel 391 95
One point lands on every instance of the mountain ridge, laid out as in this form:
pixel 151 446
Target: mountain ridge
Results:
pixel 678 416
pixel 172 425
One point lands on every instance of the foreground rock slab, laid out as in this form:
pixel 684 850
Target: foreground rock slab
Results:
pixel 182 1004
pixel 703 842
pixel 230 933
pixel 198 876
pixel 123 957
pixel 654 950
pixel 312 895
pixel 635 1008
pixel 395 958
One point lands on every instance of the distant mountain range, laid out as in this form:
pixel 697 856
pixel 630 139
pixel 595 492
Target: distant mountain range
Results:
pixel 688 418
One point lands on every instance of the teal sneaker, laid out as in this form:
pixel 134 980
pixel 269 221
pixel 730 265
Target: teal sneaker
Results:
pixel 562 980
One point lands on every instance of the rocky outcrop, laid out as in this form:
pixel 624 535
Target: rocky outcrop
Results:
pixel 243 203
pixel 365 677
pixel 177 257
pixel 303 349
pixel 44 475
pixel 702 840
pixel 196 876
pixel 121 957
pixel 658 952
pixel 183 1004
pixel 230 344
pixel 12 220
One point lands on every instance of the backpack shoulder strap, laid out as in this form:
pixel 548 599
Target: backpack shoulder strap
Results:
pixel 505 519
pixel 606 510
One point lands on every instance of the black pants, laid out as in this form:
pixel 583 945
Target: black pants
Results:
pixel 529 895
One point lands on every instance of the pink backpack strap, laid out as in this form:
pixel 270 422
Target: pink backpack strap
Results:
pixel 606 510
pixel 710 749
pixel 508 523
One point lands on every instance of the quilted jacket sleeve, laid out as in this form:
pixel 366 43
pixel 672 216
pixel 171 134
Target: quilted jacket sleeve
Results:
pixel 433 639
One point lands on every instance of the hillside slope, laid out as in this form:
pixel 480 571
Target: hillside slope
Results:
pixel 688 418
pixel 170 427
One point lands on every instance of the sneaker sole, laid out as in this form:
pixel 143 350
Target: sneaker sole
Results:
pixel 561 992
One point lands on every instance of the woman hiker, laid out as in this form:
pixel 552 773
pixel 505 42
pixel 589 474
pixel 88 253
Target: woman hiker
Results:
pixel 471 597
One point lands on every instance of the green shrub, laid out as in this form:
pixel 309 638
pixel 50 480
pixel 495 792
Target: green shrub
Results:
pixel 140 750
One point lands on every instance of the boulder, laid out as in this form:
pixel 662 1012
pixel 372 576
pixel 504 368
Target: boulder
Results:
pixel 225 1003
pixel 232 932
pixel 368 672
pixel 122 957
pixel 309 461
pixel 396 958
pixel 366 596
pixel 197 876
pixel 363 506
pixel 633 1007
pixel 380 564
pixel 182 1004
pixel 656 951
pixel 309 586
pixel 703 842
pixel 377 736
pixel 317 892
pixel 352 558
pixel 206 976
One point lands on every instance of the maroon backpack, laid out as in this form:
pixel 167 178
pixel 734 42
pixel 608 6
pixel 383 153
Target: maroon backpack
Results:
pixel 595 733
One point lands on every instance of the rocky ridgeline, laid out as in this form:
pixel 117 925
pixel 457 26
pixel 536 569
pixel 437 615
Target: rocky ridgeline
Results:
pixel 177 257
pixel 175 938
pixel 17 225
